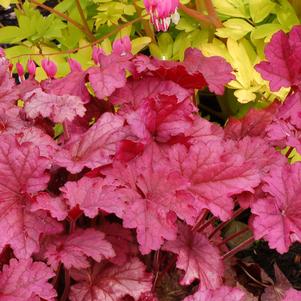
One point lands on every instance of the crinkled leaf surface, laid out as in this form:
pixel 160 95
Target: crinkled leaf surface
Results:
pixel 95 147
pixel 25 280
pixel 152 194
pixel 22 171
pixel 56 108
pixel 197 257
pixel 214 174
pixel 110 283
pixel 277 216
pixel 74 249
pixel 91 195
pixel 282 67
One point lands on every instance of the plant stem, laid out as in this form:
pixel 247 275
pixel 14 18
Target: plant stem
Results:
pixel 67 18
pixel 167 268
pixel 238 248
pixel 116 30
pixel 289 152
pixel 212 14
pixel 224 224
pixel 233 236
pixel 200 17
pixel 84 20
pixel 205 225
pixel 200 219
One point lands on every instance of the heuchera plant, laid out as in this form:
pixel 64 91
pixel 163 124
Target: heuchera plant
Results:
pixel 109 176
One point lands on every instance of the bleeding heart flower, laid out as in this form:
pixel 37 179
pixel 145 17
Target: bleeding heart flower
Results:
pixel 20 69
pixel 49 67
pixel 161 12
pixel 31 67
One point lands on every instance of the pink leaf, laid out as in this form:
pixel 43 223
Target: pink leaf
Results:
pixel 161 118
pixel 22 171
pixel 152 196
pixel 195 72
pixel 135 92
pixel 215 173
pixel 254 124
pixel 292 295
pixel 285 127
pixel 73 250
pixel 216 71
pixel 197 257
pixel 94 148
pixel 282 67
pixel 223 293
pixel 46 145
pixel 8 90
pixel 122 241
pixel 277 216
pixel 72 84
pixel 57 108
pixel 92 194
pixel 10 121
pixel 111 283
pixel 110 76
pixel 55 205
pixel 25 280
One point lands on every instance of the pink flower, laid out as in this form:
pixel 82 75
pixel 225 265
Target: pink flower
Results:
pixel 161 12
pixel 122 46
pixel 20 69
pixel 31 67
pixel 49 67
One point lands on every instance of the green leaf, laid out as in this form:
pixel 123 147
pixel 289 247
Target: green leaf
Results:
pixel 286 14
pixel 235 227
pixel 187 24
pixel 165 43
pixel 234 29
pixel 232 8
pixel 260 9
pixel 139 43
pixel 10 34
pixel 265 30
pixel 7 3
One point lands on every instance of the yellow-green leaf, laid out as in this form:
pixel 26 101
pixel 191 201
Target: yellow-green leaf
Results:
pixel 260 9
pixel 235 29
pixel 139 43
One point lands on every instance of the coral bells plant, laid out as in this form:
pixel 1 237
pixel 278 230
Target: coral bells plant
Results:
pixel 111 182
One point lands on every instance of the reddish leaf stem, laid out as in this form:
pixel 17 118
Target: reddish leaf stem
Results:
pixel 84 20
pixel 116 30
pixel 205 225
pixel 238 248
pixel 67 18
pixel 233 236
pixel 289 152
pixel 201 219
pixel 201 17
pixel 224 224
pixel 167 268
